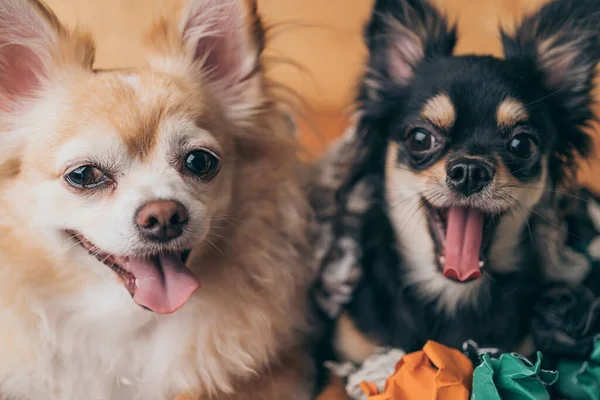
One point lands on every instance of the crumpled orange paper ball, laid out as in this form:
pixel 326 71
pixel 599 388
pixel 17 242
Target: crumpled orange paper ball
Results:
pixel 435 373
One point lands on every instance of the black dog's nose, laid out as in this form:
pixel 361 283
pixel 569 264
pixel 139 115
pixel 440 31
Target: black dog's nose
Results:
pixel 469 176
pixel 162 220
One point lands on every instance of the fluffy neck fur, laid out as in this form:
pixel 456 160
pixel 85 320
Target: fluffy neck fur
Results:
pixel 402 300
pixel 393 308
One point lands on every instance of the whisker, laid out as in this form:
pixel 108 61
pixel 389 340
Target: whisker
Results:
pixel 425 173
pixel 519 208
pixel 544 97
pixel 401 202
pixel 224 238
pixel 546 190
pixel 543 218
pixel 214 246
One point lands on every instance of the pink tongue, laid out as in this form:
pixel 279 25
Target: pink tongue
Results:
pixel 464 234
pixel 164 283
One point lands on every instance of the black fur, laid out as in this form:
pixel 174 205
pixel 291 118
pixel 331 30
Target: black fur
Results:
pixel 549 67
pixel 566 73
pixel 394 314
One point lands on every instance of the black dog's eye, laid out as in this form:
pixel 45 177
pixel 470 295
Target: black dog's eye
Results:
pixel 522 146
pixel 202 164
pixel 86 177
pixel 420 142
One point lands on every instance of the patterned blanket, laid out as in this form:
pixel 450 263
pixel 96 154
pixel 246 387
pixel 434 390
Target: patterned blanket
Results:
pixel 566 233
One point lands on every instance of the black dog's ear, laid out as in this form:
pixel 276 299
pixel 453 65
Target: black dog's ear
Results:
pixel 400 34
pixel 561 42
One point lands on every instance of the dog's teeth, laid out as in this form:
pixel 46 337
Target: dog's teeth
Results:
pixel 481 264
pixel 442 260
pixel 137 282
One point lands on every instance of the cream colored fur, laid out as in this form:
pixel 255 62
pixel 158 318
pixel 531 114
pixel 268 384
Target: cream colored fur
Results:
pixel 405 189
pixel 68 327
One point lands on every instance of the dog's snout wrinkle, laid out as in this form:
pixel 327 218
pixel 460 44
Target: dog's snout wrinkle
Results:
pixel 162 220
pixel 469 176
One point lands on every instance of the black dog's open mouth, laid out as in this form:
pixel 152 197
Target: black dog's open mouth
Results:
pixel 159 282
pixel 462 236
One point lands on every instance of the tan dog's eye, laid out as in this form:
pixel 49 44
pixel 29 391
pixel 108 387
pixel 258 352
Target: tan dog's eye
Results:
pixel 86 177
pixel 203 164
pixel 522 146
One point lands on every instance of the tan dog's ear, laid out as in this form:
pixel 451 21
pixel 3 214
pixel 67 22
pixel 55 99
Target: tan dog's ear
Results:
pixel 32 44
pixel 220 41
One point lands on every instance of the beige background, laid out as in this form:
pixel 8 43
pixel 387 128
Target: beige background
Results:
pixel 316 44
pixel 322 36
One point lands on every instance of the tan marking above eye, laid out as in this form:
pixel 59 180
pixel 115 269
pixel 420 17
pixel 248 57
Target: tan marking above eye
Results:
pixel 510 112
pixel 439 110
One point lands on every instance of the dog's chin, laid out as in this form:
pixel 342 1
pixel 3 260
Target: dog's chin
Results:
pixel 159 282
pixel 462 236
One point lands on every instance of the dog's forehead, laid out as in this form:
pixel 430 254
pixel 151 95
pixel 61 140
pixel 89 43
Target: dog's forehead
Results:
pixel 133 106
pixel 475 95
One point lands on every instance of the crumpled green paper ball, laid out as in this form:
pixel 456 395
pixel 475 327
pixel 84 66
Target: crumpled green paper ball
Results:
pixel 581 380
pixel 511 377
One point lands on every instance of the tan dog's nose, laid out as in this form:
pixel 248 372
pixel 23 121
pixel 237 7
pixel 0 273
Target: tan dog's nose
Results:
pixel 162 220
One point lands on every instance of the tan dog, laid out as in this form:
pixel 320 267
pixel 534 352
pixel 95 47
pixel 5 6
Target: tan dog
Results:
pixel 110 179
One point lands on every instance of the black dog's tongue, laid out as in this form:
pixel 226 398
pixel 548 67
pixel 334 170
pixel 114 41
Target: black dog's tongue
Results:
pixel 164 283
pixel 464 238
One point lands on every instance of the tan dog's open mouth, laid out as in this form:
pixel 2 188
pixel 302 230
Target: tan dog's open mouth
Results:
pixel 160 282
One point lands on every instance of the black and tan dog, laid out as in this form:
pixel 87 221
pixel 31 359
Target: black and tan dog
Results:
pixel 458 153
